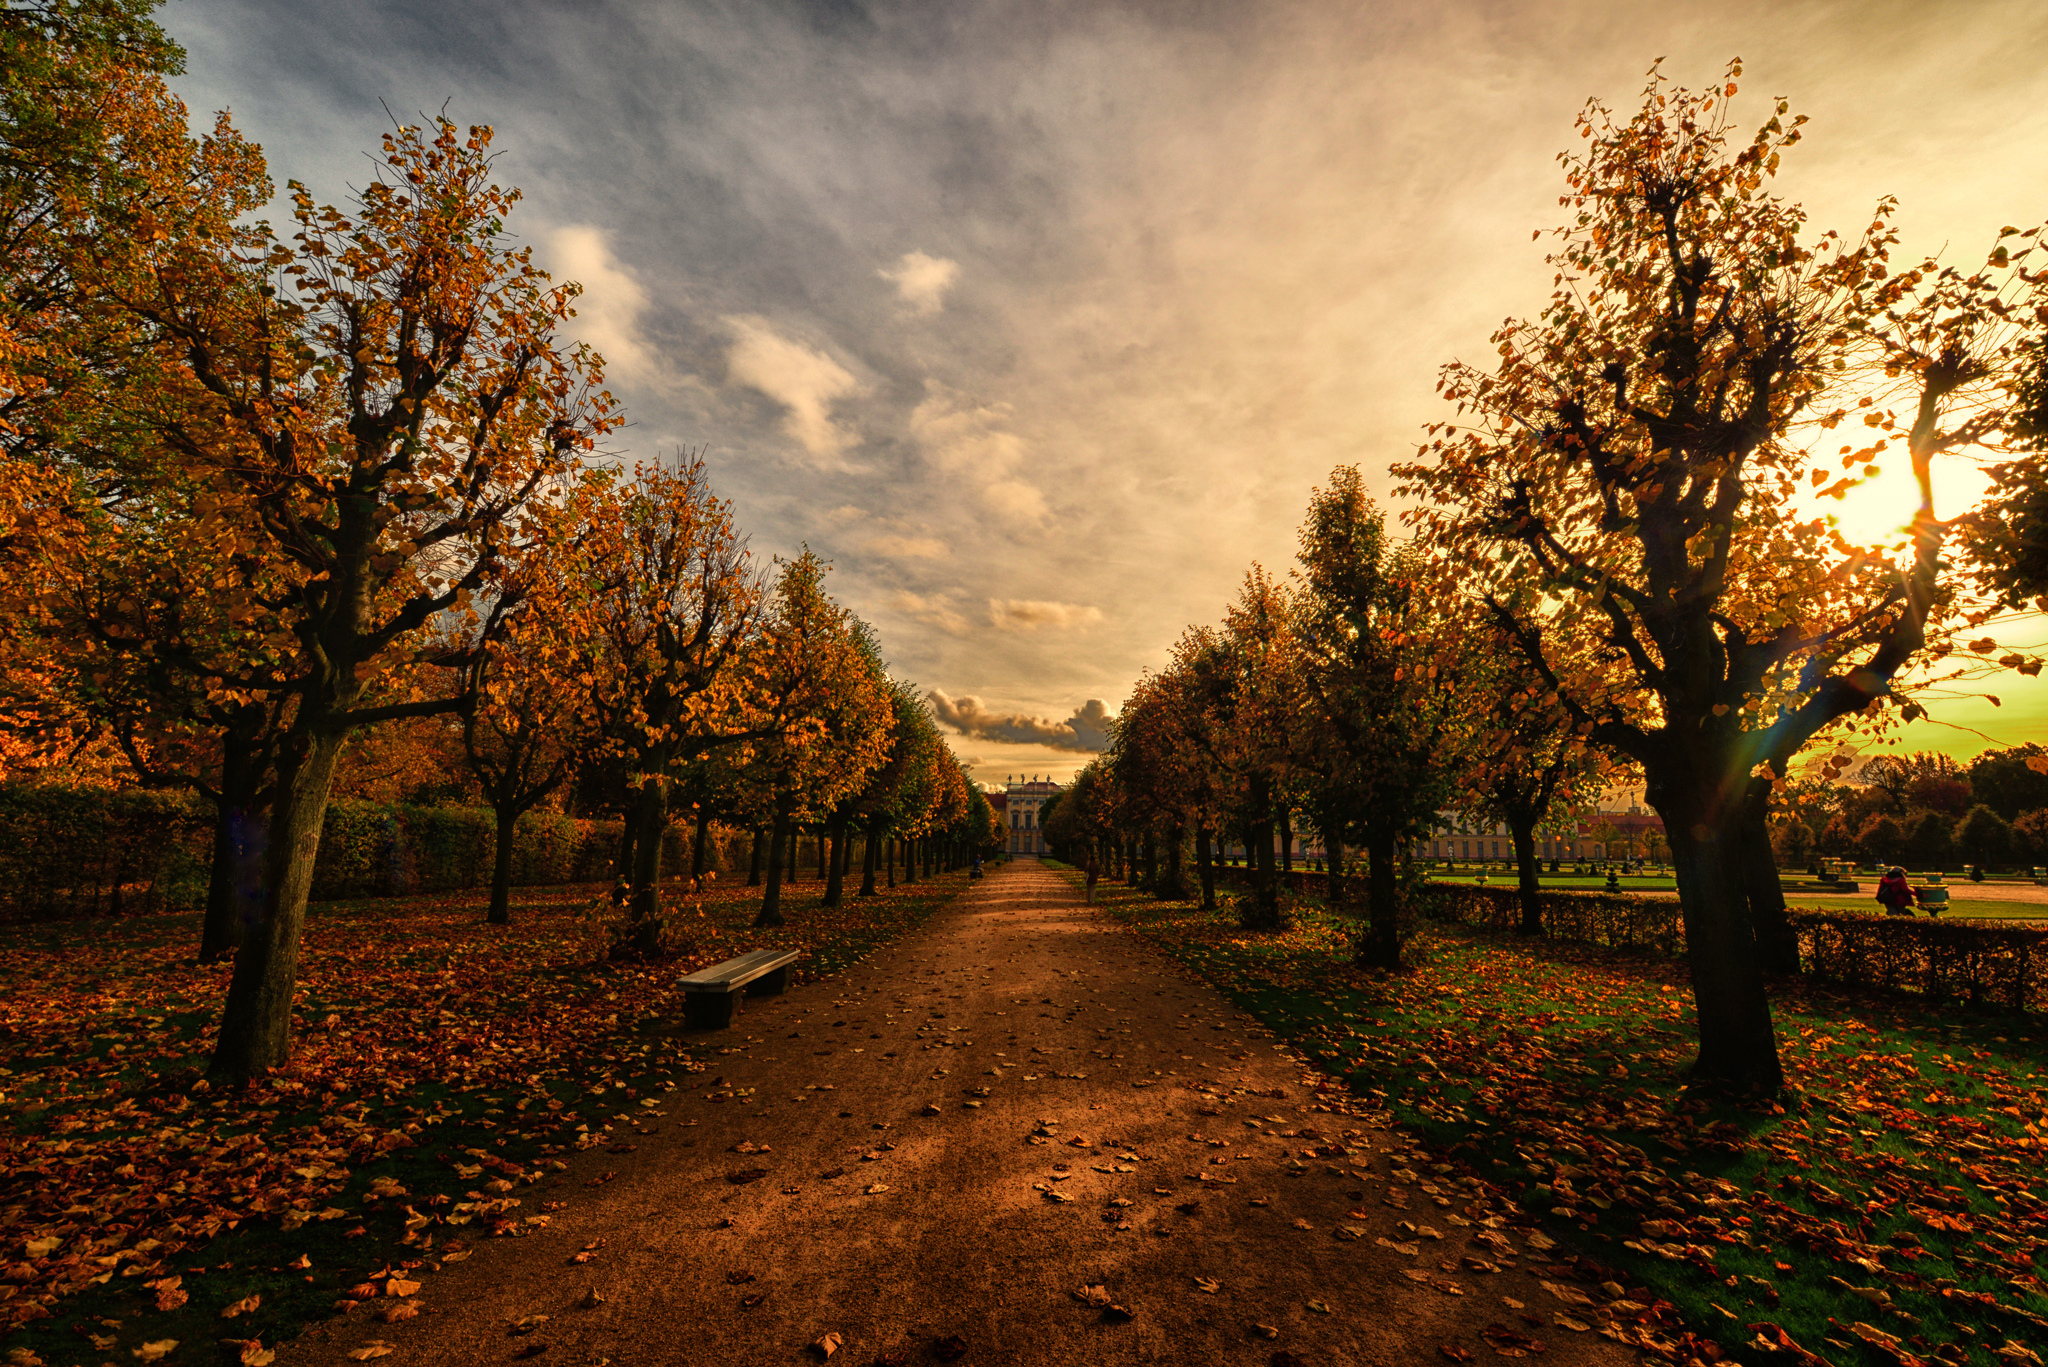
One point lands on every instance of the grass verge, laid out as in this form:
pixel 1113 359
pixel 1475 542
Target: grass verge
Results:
pixel 1895 1212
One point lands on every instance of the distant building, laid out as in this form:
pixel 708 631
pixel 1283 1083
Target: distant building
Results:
pixel 1019 803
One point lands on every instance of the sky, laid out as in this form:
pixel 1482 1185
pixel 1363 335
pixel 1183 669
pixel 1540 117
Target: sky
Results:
pixel 1041 319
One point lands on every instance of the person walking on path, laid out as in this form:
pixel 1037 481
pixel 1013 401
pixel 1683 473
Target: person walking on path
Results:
pixel 1893 893
pixel 1094 871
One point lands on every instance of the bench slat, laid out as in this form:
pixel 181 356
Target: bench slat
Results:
pixel 739 971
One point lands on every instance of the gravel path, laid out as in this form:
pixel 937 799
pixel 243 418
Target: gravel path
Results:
pixel 957 1135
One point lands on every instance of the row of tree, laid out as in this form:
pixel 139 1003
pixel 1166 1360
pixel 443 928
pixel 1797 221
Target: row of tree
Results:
pixel 1619 548
pixel 260 497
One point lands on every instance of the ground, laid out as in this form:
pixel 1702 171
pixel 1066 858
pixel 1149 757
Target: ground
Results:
pixel 972 1138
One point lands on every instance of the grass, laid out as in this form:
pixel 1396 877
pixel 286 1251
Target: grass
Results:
pixel 441 1067
pixel 1902 1189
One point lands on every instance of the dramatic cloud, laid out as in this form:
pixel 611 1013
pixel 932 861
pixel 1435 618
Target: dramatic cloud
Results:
pixel 1021 614
pixel 608 311
pixel 922 281
pixel 1074 302
pixel 932 611
pixel 802 379
pixel 1087 730
pixel 906 547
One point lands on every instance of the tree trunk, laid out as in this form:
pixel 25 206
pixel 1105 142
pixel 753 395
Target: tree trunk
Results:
pixel 1738 1045
pixel 1286 841
pixel 256 1020
pixel 500 913
pixel 1380 946
pixel 700 846
pixel 1522 826
pixel 1205 866
pixel 754 859
pixel 1333 876
pixel 652 816
pixel 1776 943
pixel 835 884
pixel 870 847
pixel 1175 884
pixel 771 901
pixel 889 858
pixel 823 873
pixel 909 844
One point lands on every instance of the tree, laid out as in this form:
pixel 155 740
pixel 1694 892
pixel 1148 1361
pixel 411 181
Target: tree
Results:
pixel 2011 781
pixel 528 715
pixel 1881 840
pixel 2007 536
pixel 1526 756
pixel 1384 666
pixel 1631 464
pixel 662 585
pixel 818 701
pixel 1984 837
pixel 373 425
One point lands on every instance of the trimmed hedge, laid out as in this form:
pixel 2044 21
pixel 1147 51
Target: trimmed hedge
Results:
pixel 1976 962
pixel 78 851
pixel 89 851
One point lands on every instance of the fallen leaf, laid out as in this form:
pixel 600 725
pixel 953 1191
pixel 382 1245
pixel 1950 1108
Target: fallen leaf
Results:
pixel 150 1352
pixel 1097 1296
pixel 746 1175
pixel 738 1278
pixel 750 1301
pixel 591 1299
pixel 251 1352
pixel 398 1286
pixel 877 1188
pixel 375 1348
pixel 528 1324
pixel 827 1346
pixel 1455 1352
pixel 950 1348
pixel 1208 1285
pixel 398 1310
pixel 1265 1331
pixel 1320 1307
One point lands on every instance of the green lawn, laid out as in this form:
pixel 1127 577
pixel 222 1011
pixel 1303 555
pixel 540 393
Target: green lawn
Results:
pixel 1902 1189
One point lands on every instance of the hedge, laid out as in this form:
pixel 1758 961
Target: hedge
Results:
pixel 1977 962
pixel 89 851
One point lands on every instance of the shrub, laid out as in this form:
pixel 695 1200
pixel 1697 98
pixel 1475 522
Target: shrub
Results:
pixel 1983 836
pixel 80 851
pixel 1930 837
pixel 2030 836
pixel 1881 841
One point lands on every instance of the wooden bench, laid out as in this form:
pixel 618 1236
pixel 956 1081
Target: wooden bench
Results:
pixel 710 995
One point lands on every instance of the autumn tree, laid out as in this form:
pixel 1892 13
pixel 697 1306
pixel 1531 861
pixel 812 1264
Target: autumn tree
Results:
pixel 1383 663
pixel 1526 757
pixel 527 690
pixel 375 407
pixel 662 587
pixel 1633 463
pixel 816 694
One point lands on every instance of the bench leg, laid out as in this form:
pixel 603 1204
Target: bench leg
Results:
pixel 708 1010
pixel 770 984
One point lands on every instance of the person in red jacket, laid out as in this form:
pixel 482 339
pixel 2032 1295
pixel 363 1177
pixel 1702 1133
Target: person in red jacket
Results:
pixel 1893 894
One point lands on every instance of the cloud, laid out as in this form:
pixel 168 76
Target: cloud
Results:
pixel 1029 614
pixel 1087 730
pixel 922 281
pixel 960 435
pixel 608 312
pixel 801 378
pixel 932 611
pixel 1017 501
pixel 907 547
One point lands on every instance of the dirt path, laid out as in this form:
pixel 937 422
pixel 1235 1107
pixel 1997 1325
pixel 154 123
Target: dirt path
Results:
pixel 899 1208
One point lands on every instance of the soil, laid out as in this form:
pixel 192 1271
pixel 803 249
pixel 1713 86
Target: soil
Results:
pixel 900 1208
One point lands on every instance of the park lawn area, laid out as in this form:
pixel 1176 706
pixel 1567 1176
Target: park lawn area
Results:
pixel 1894 1210
pixel 441 1065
